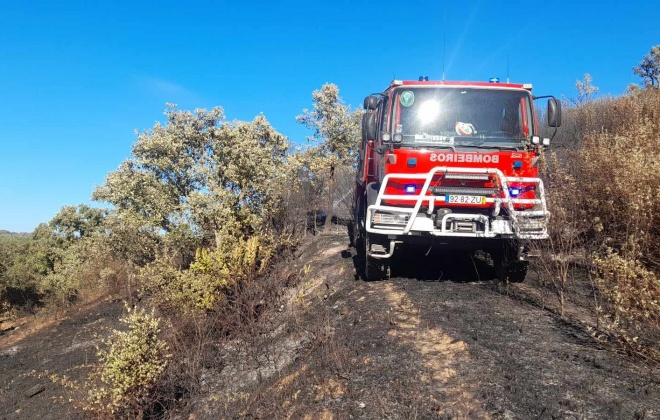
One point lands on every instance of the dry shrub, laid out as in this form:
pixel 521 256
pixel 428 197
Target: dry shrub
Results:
pixel 633 293
pixel 114 276
pixel 621 185
pixel 143 373
pixel 565 245
pixel 620 178
pixel 196 337
pixel 300 202
pixel 633 290
pixel 345 192
pixel 607 200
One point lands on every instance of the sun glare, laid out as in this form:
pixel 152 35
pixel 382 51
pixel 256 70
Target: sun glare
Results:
pixel 428 111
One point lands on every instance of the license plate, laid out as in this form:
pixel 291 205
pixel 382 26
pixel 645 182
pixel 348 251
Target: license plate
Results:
pixel 464 199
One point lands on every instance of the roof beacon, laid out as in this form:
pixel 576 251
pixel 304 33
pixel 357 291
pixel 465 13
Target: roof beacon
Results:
pixel 494 80
pixel 423 78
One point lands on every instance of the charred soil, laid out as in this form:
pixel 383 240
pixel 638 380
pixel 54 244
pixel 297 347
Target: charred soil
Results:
pixel 439 340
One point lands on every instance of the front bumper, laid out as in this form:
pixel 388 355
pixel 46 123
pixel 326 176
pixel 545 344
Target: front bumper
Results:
pixel 501 220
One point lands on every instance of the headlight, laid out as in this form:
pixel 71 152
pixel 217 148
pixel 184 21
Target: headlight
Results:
pixel 381 218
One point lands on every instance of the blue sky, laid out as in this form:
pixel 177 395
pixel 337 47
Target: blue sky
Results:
pixel 78 77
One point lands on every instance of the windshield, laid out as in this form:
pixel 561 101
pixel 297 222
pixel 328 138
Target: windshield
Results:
pixel 462 116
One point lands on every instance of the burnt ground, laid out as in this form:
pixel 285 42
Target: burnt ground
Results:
pixel 439 340
pixel 32 349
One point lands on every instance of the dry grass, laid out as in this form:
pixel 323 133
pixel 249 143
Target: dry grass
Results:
pixel 604 195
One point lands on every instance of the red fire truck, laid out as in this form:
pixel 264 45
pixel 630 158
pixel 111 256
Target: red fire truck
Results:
pixel 451 164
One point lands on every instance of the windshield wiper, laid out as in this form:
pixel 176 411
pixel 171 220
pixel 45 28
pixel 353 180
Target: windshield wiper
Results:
pixel 488 146
pixel 431 146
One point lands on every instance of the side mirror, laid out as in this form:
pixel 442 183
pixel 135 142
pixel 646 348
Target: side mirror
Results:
pixel 370 102
pixel 554 113
pixel 369 126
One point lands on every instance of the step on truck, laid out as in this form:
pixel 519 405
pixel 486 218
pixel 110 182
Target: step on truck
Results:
pixel 451 164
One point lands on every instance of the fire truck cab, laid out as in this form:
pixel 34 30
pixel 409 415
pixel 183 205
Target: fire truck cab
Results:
pixel 452 164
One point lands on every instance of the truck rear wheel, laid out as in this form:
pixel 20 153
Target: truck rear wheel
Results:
pixel 515 272
pixel 507 265
pixel 374 268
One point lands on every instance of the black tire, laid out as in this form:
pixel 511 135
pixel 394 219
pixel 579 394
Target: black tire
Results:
pixel 374 268
pixel 351 234
pixel 358 223
pixel 506 264
pixel 514 272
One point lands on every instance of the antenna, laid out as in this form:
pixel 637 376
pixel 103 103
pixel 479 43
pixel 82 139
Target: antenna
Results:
pixel 507 68
pixel 444 51
pixel 444 38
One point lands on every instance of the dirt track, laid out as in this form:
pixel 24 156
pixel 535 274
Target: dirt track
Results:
pixel 430 343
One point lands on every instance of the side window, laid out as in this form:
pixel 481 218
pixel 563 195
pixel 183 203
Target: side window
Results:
pixel 525 117
pixel 512 118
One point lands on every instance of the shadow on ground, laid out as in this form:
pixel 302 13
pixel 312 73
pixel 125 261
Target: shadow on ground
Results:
pixel 433 264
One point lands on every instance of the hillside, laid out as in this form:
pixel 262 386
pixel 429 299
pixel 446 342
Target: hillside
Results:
pixel 203 288
pixel 440 342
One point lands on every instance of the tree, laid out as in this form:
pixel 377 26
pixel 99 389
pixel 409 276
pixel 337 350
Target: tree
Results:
pixel 586 91
pixel 12 247
pixel 77 222
pixel 649 68
pixel 51 262
pixel 336 133
pixel 633 88
pixel 197 179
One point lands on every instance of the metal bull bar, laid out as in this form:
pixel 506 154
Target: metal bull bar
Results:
pixel 522 224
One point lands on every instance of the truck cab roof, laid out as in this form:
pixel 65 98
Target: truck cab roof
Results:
pixel 448 83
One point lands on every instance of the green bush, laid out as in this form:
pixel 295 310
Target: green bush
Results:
pixel 130 364
pixel 212 273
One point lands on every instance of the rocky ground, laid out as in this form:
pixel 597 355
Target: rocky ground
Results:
pixel 438 340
